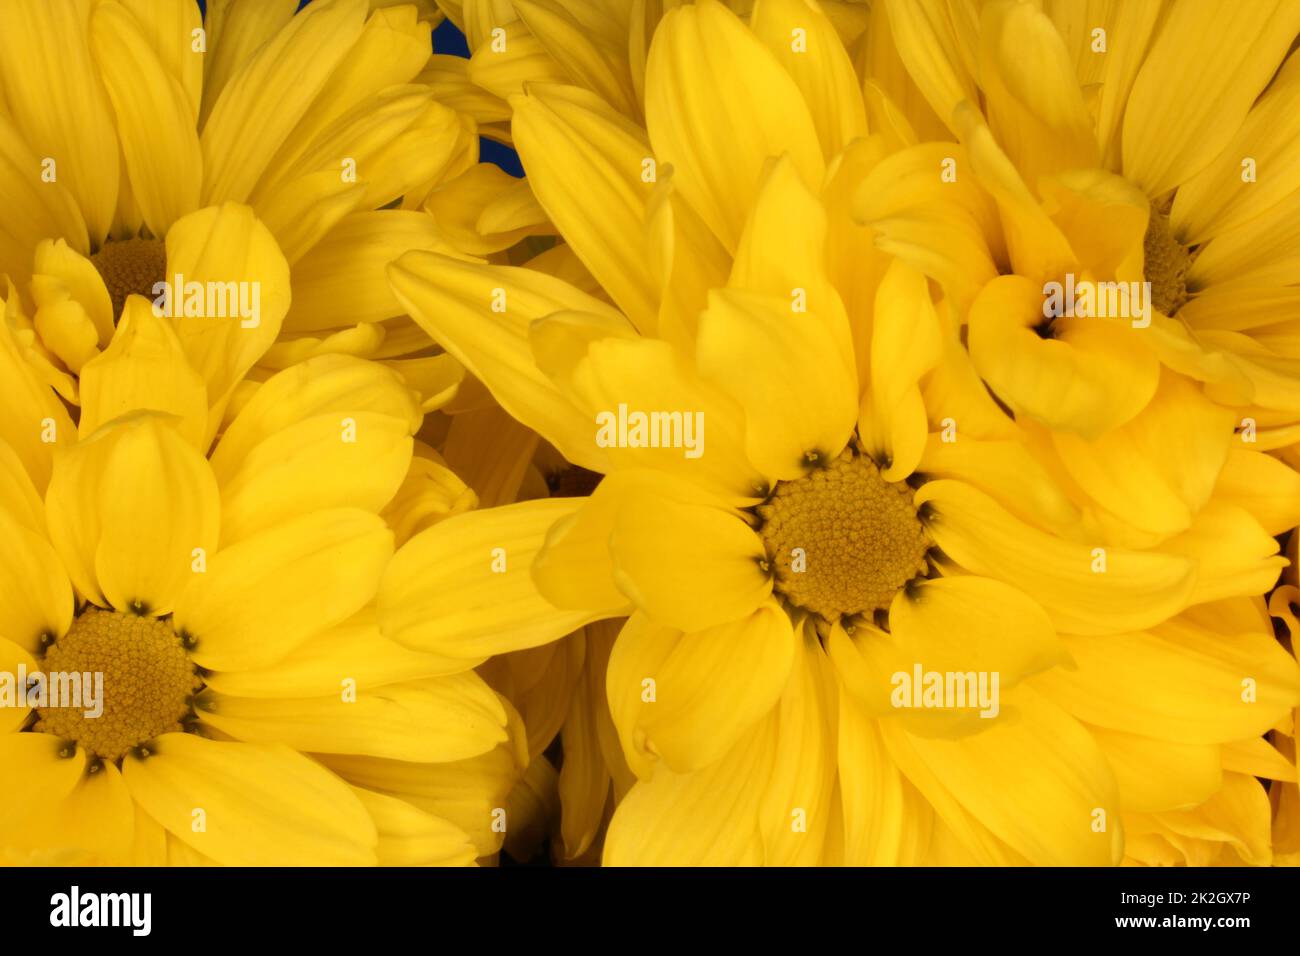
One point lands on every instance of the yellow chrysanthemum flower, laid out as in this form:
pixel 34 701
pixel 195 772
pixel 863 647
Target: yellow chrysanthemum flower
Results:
pixel 125 116
pixel 854 504
pixel 249 711
pixel 1137 142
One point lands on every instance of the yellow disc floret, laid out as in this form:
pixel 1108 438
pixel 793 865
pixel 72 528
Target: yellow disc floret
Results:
pixel 1167 264
pixel 843 540
pixel 131 267
pixel 148 681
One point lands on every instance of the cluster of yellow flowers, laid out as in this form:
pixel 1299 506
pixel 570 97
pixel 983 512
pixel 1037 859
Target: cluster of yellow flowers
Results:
pixel 867 435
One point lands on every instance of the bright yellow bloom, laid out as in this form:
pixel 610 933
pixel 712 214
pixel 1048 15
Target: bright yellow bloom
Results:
pixel 125 116
pixel 1136 142
pixel 860 504
pixel 252 713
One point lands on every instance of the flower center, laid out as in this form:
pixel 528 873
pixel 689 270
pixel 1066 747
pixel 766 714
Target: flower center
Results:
pixel 1167 263
pixel 148 681
pixel 842 539
pixel 131 267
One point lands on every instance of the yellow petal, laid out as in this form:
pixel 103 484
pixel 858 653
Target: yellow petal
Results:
pixel 14 714
pixel 1159 469
pixel 263 804
pixel 797 813
pixel 327 461
pixel 155 118
pixel 434 720
pixel 905 344
pixel 573 39
pixel 56 100
pixel 49 769
pixel 1031 92
pixel 718 103
pixel 355 650
pixel 144 367
pixel 706 818
pixel 470 794
pixel 454 302
pixel 410 837
pixel 1088 377
pixel 1234 555
pixel 464 588
pixel 1182 683
pixel 334 385
pixel 1007 471
pixel 35 422
pixel 803 39
pixel 1264 486
pixel 587 165
pixel 235 32
pixel 1038 782
pixel 1155 775
pixel 1203 72
pixel 136 506
pixel 220 245
pixel 774 360
pixel 260 105
pixel 710 688
pixel 262 597
pixel 697 431
pixel 688 564
pixel 1136 589
pixel 343 280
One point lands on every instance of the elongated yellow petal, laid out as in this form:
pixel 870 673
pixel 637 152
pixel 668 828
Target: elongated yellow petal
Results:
pixel 481 315
pixel 1159 469
pixel 337 385
pixel 803 39
pixel 262 803
pixel 1196 85
pixel 1008 472
pixel 262 597
pixel 435 720
pixel 651 409
pixel 585 53
pixel 1234 555
pixel 408 836
pixel 464 588
pixel 225 248
pixel 1136 589
pixel 327 461
pixel 1155 775
pixel 1089 376
pixel 1264 486
pixel 688 565
pixel 355 650
pixel 137 507
pixel 1181 683
pixel 774 360
pixel 235 32
pixel 798 810
pixel 718 103
pixel 712 687
pixel 706 818
pixel 905 344
pixel 1055 798
pixel 35 423
pixel 1032 95
pixel 49 768
pixel 261 104
pixel 57 101
pixel 588 167
pixel 155 119
pixel 144 367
